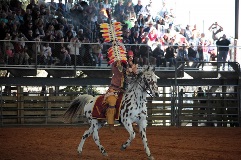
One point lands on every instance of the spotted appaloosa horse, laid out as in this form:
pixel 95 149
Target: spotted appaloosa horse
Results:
pixel 133 110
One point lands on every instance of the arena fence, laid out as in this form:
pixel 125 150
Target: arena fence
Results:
pixel 173 108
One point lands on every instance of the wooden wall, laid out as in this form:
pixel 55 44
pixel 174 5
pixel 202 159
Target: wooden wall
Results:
pixel 164 111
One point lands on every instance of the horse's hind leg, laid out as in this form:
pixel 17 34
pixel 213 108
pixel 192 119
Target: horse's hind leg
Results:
pixel 84 137
pixel 145 143
pixel 129 128
pixel 96 127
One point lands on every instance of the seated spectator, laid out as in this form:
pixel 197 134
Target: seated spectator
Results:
pixel 192 56
pixel 65 58
pixel 182 53
pixel 18 50
pixel 7 42
pixel 145 53
pixel 24 56
pixel 170 55
pixel 47 52
pixel 141 20
pixel 158 53
pixel 10 55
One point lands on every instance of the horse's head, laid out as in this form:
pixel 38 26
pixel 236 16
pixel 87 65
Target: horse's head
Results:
pixel 150 81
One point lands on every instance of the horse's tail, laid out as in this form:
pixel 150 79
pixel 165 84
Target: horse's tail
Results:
pixel 76 107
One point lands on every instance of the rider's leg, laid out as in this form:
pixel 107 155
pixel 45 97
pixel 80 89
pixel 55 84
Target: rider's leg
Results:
pixel 110 113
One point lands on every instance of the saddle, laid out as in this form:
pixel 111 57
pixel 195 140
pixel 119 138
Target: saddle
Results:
pixel 99 108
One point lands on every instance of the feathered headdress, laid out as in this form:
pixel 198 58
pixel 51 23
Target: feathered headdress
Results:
pixel 112 33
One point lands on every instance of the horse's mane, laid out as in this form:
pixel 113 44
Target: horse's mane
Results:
pixel 135 79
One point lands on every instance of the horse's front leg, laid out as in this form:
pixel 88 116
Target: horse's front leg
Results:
pixel 142 129
pixel 128 125
pixel 96 127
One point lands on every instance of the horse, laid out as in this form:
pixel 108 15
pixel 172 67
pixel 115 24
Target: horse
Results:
pixel 133 110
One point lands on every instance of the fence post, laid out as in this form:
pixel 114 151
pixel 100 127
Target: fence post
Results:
pixel 179 109
pixel 149 111
pixel 20 103
pixel 195 109
pixel 48 107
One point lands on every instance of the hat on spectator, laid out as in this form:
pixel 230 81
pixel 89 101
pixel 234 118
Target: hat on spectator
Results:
pixel 150 22
pixel 130 53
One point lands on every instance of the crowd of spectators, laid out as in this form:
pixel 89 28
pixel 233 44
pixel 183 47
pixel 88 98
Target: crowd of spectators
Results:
pixel 154 38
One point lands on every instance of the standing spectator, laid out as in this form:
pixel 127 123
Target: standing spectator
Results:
pixel 97 52
pixel 106 5
pixel 188 33
pixel 61 7
pixel 69 6
pixel 128 8
pixel 223 49
pixel 52 6
pixel 119 8
pixel 96 6
pixel 138 7
pixel 200 56
pixel 31 5
pixel 74 49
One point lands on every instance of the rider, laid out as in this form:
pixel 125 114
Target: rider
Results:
pixel 118 84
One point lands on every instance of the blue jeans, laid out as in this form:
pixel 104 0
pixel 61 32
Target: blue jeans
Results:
pixel 222 57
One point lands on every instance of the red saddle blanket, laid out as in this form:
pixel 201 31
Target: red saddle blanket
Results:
pixel 99 108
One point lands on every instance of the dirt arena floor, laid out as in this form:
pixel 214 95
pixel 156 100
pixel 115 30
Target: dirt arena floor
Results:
pixel 166 143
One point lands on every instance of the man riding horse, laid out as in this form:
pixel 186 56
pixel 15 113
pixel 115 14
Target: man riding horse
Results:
pixel 117 57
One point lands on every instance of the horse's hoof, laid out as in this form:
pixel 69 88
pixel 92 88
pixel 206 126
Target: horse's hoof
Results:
pixel 151 158
pixel 79 152
pixel 105 154
pixel 122 148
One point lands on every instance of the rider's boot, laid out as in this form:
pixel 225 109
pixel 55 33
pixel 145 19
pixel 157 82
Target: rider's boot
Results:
pixel 110 113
